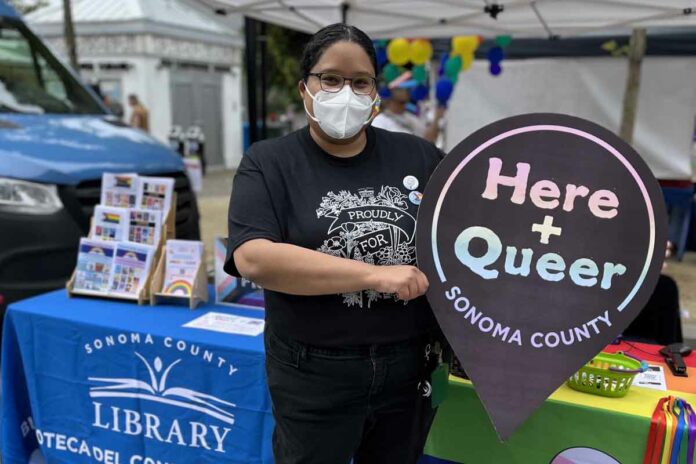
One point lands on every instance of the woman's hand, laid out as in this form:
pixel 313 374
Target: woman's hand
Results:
pixel 407 282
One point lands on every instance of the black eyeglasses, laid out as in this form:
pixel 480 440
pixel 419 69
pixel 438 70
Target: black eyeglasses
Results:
pixel 330 82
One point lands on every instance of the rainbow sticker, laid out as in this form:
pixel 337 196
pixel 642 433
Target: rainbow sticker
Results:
pixel 179 287
pixel 112 218
pixel 124 181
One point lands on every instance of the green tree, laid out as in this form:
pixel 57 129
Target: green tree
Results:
pixel 284 48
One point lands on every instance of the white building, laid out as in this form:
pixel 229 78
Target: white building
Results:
pixel 181 59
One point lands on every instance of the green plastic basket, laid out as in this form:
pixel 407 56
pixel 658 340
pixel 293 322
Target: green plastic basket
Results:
pixel 607 374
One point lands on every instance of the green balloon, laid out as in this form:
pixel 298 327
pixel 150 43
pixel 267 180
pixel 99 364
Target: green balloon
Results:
pixel 391 72
pixel 452 68
pixel 503 40
pixel 420 74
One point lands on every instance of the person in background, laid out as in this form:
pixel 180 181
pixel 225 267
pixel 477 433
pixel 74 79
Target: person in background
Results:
pixel 395 116
pixel 139 114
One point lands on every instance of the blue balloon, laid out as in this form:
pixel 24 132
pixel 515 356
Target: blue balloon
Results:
pixel 495 69
pixel 443 90
pixel 381 56
pixel 495 54
pixel 420 93
pixel 384 93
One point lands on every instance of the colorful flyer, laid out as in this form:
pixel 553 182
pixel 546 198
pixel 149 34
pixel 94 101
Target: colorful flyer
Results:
pixel 119 189
pixel 184 257
pixel 228 323
pixel 132 263
pixel 109 224
pixel 94 262
pixel 144 226
pixel 156 193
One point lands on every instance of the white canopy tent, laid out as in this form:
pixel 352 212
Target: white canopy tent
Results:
pixel 445 18
pixel 666 151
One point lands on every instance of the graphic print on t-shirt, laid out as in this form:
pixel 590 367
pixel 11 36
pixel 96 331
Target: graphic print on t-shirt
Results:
pixel 375 228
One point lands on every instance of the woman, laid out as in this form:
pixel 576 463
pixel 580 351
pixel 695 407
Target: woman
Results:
pixel 324 220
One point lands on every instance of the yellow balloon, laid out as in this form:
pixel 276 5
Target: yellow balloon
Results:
pixel 467 59
pixel 398 51
pixel 421 51
pixel 464 44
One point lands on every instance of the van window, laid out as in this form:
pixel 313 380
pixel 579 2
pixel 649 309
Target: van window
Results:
pixel 33 81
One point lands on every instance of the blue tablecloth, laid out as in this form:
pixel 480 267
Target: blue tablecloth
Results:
pixel 92 380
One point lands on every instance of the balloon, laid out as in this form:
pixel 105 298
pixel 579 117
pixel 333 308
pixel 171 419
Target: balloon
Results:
pixel 503 40
pixel 495 55
pixel 420 93
pixel 380 43
pixel 381 56
pixel 443 60
pixel 421 51
pixel 398 51
pixel 467 60
pixel 443 90
pixel 495 69
pixel 384 92
pixel 420 74
pixel 453 67
pixel 464 44
pixel 391 72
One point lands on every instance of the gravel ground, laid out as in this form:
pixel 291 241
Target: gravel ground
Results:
pixel 214 199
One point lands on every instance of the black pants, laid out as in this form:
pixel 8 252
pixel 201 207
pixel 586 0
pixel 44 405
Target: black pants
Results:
pixel 331 405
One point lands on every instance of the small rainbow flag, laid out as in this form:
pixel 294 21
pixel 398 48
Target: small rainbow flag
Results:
pixel 124 181
pixel 112 218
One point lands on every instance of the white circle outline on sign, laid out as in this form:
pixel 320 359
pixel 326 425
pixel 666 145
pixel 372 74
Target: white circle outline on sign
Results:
pixel 555 128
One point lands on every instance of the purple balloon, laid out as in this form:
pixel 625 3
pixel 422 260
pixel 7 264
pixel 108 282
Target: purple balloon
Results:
pixel 495 55
pixel 496 69
pixel 443 61
pixel 443 90
pixel 419 93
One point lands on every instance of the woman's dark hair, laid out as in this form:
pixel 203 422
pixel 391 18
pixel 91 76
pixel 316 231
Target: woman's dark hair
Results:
pixel 328 36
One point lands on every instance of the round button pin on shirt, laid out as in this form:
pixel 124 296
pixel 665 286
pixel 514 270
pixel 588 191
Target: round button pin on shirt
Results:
pixel 411 182
pixel 415 197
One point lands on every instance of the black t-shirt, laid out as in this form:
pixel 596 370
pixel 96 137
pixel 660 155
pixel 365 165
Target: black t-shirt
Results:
pixel 289 190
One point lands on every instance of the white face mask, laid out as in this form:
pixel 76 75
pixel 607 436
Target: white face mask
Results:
pixel 341 114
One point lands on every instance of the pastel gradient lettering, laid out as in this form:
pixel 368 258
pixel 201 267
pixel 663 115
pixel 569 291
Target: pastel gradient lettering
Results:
pixel 494 179
pixel 550 267
pixel 542 190
pixel 602 199
pixel 494 248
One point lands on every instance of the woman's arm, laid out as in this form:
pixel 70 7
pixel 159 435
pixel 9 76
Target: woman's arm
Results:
pixel 299 271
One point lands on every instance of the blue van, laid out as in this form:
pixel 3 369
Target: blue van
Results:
pixel 56 140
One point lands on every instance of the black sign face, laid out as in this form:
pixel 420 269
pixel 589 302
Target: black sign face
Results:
pixel 542 236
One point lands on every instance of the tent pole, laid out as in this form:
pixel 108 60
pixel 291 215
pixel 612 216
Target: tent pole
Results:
pixel 344 12
pixel 630 100
pixel 250 36
pixel 264 80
